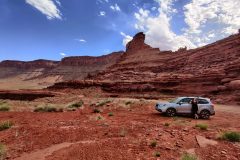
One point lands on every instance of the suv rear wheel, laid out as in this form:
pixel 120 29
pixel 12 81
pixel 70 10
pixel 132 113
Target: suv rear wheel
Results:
pixel 205 114
pixel 171 112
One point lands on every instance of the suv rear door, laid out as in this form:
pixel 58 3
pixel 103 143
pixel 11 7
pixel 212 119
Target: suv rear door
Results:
pixel 202 103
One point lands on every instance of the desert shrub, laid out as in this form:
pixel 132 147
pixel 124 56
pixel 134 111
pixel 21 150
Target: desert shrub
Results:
pixel 5 125
pixel 202 126
pixel 188 156
pixel 76 105
pixel 166 124
pixel 231 136
pixel 102 103
pixel 96 110
pixel 99 118
pixel 110 114
pixel 123 132
pixel 2 152
pixel 153 143
pixel 157 154
pixel 128 103
pixel 47 109
pixel 4 107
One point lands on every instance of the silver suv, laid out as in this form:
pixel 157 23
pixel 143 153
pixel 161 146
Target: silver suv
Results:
pixel 182 105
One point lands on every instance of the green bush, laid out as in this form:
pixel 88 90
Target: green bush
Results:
pixel 231 136
pixel 202 126
pixel 2 152
pixel 110 114
pixel 153 143
pixel 188 156
pixel 76 105
pixel 5 125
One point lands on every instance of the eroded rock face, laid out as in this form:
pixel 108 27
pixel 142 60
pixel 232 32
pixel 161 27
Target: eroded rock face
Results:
pixel 212 70
pixel 138 43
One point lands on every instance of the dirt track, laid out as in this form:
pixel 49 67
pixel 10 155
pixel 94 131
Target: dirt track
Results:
pixel 126 135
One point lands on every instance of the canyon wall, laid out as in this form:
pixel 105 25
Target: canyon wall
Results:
pixel 212 70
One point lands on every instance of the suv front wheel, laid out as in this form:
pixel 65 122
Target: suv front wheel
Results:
pixel 171 112
pixel 205 114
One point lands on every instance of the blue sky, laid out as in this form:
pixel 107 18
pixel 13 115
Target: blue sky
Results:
pixel 52 29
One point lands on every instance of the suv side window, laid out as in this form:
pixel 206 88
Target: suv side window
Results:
pixel 202 101
pixel 186 100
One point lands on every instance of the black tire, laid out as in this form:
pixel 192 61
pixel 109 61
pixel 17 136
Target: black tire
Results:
pixel 171 112
pixel 205 114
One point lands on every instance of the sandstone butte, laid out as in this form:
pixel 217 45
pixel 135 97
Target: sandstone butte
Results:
pixel 212 70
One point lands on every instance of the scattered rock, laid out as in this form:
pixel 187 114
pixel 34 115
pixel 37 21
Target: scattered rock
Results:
pixel 203 142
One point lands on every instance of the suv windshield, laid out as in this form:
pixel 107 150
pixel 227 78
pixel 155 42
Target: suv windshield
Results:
pixel 174 100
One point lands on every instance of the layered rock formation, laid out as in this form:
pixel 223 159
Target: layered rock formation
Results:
pixel 212 70
pixel 45 72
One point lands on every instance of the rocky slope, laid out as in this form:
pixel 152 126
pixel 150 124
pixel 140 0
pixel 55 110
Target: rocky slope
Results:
pixel 212 70
pixel 45 72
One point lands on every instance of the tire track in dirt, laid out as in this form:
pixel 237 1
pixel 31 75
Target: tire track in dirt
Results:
pixel 41 154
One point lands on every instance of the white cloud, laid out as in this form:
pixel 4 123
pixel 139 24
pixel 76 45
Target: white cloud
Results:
pixel 126 38
pixel 115 7
pixel 207 21
pixel 58 3
pixel 81 40
pixel 62 54
pixel 158 30
pixel 46 7
pixel 102 1
pixel 223 16
pixel 102 13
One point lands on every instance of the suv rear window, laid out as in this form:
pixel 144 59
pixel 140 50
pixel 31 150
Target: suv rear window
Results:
pixel 202 101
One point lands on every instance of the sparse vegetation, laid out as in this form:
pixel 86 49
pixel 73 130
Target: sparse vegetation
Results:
pixel 102 103
pixel 153 143
pixel 5 125
pixel 76 105
pixel 99 118
pixel 110 114
pixel 166 124
pixel 96 110
pixel 202 126
pixel 4 107
pixel 157 154
pixel 2 152
pixel 176 118
pixel 231 136
pixel 188 156
pixel 123 132
pixel 128 103
pixel 47 109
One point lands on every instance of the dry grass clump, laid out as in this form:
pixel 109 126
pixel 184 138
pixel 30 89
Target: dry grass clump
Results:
pixel 202 126
pixel 4 107
pixel 5 125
